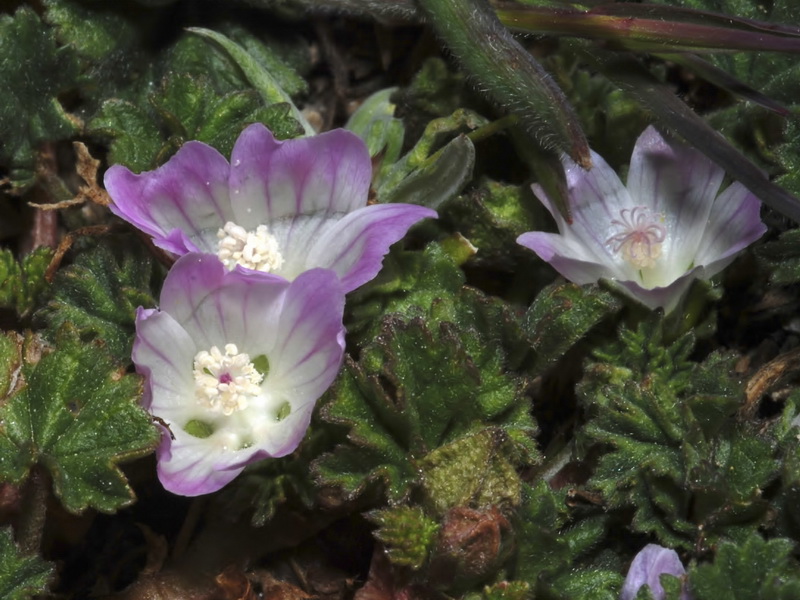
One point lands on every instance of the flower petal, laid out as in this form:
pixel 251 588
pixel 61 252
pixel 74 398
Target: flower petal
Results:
pixel 271 180
pixel 187 466
pixel 666 297
pixel 646 569
pixel 309 342
pixel 218 307
pixel 188 193
pixel 163 353
pixel 568 256
pixel 356 244
pixel 596 197
pixel 680 183
pixel 734 224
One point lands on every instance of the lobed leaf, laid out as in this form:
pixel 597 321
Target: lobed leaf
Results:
pixel 98 295
pixel 22 284
pixel 21 577
pixel 755 569
pixel 75 412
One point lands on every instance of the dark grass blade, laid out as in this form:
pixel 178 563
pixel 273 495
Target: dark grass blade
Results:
pixel 671 112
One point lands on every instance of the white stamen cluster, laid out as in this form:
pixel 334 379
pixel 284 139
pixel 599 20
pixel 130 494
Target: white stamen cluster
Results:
pixel 641 236
pixel 257 250
pixel 225 382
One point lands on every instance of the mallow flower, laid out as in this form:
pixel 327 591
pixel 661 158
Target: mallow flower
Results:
pixel 668 226
pixel 648 565
pixel 279 207
pixel 233 363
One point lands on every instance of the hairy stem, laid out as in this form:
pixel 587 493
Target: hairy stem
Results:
pixel 34 509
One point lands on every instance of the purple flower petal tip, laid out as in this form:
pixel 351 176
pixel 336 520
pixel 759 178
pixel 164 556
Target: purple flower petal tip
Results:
pixel 234 362
pixel 646 569
pixel 667 226
pixel 279 207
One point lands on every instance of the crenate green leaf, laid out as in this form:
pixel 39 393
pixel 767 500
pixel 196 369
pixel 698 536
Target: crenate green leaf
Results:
pixel 98 295
pixel 21 577
pixel 135 138
pixel 407 533
pixel 75 412
pixel 413 392
pixel 754 569
pixel 561 315
pixel 22 284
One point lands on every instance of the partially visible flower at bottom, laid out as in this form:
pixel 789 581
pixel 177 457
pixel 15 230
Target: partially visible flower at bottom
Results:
pixel 648 565
pixel 234 363
pixel 656 234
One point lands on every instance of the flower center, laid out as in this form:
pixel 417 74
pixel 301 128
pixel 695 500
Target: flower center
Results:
pixel 641 237
pixel 257 250
pixel 224 383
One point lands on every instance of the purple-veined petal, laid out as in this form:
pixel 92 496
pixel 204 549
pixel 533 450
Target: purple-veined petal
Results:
pixel 596 198
pixel 734 224
pixel 187 466
pixel 646 569
pixel 568 256
pixel 678 182
pixel 218 307
pixel 271 180
pixel 355 245
pixel 309 342
pixel 188 193
pixel 161 351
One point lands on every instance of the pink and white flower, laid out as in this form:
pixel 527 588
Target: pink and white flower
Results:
pixel 667 227
pixel 234 362
pixel 279 207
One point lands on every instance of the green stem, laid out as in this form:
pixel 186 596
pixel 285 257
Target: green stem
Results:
pixel 508 73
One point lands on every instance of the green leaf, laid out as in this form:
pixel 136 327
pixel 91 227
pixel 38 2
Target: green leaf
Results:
pixel 186 107
pixel 257 74
pixel 561 315
pixel 21 577
pixel 409 284
pixel 755 569
pixel 107 44
pixel 678 457
pixel 505 590
pixel 407 534
pixel 439 178
pixel 782 257
pixel 374 122
pixel 492 216
pixel 136 139
pixel 76 413
pixel 99 293
pixel 415 390
pixel 33 71
pixel 555 551
pixel 426 177
pixel 23 284
pixel 474 470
